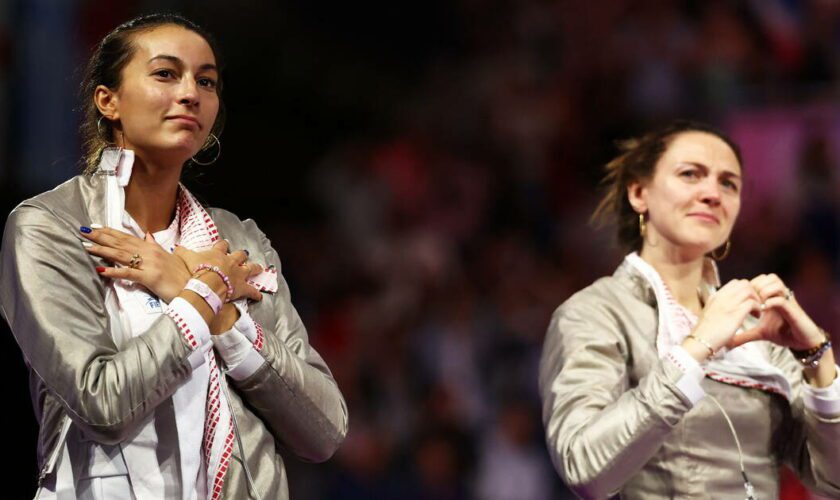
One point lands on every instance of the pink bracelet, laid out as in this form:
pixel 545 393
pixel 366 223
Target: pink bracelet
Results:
pixel 215 269
pixel 206 293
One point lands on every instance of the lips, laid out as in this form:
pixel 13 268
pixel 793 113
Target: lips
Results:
pixel 185 119
pixel 707 217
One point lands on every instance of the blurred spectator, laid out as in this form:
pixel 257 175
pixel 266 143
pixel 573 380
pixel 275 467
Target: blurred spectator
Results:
pixel 513 465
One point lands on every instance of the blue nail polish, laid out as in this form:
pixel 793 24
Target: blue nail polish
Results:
pixel 85 229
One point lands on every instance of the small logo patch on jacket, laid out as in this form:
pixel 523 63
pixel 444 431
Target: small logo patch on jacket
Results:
pixel 152 305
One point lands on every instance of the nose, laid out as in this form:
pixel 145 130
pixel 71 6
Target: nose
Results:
pixel 710 192
pixel 188 92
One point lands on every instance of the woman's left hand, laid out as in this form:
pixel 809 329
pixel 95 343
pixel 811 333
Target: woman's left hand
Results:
pixel 164 274
pixel 782 321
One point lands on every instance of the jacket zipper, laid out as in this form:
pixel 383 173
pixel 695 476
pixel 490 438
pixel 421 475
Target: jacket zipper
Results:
pixel 50 463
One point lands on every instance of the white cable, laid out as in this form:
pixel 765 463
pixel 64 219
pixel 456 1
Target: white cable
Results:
pixel 747 484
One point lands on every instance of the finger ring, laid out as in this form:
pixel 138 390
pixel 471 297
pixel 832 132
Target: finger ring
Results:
pixel 788 294
pixel 135 261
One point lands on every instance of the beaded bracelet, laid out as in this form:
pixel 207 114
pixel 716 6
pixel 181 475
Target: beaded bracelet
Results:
pixel 215 269
pixel 811 357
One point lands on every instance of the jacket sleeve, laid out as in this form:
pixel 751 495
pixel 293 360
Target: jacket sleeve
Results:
pixel 53 300
pixel 293 391
pixel 810 444
pixel 601 428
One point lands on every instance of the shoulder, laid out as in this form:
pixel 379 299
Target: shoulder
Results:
pixel 593 320
pixel 64 205
pixel 231 225
pixel 607 296
pixel 243 233
pixel 604 312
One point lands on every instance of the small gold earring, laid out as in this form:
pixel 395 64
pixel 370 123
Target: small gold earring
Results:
pixel 642 226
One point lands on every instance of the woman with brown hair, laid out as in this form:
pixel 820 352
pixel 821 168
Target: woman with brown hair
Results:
pixel 657 382
pixel 162 366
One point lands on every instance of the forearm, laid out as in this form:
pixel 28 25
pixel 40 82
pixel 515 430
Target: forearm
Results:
pixel 810 437
pixel 815 450
pixel 824 374
pixel 821 401
pixel 286 383
pixel 225 320
pixel 598 445
pixel 107 392
pixel 54 302
pixel 300 404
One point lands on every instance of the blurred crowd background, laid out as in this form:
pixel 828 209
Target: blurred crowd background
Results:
pixel 426 170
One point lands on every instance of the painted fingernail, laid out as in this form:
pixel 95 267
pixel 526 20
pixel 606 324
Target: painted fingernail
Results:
pixel 85 229
pixel 100 269
pixel 87 244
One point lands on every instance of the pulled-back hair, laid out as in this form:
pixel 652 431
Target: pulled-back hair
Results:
pixel 105 68
pixel 636 162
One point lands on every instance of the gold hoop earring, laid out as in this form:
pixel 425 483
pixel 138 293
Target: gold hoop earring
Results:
pixel 212 138
pixel 642 226
pixel 725 254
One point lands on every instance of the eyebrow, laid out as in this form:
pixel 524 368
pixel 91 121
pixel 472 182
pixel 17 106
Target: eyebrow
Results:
pixel 727 173
pixel 178 62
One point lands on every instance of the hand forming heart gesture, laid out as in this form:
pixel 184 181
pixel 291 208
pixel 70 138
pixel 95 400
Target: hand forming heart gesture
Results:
pixel 782 320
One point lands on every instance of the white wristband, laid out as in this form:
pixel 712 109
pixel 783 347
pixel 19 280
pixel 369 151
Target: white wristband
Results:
pixel 205 292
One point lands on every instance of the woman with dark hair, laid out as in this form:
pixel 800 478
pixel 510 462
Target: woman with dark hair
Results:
pixel 162 365
pixel 657 382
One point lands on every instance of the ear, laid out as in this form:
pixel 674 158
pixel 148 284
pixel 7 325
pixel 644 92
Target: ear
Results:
pixel 637 196
pixel 107 101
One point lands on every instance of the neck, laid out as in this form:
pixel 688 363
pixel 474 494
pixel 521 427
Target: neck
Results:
pixel 151 194
pixel 681 273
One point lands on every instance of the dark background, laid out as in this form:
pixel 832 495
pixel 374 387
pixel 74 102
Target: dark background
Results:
pixel 426 171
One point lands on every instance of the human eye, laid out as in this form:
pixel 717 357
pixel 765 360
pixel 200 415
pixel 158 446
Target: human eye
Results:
pixel 164 73
pixel 207 82
pixel 730 184
pixel 689 173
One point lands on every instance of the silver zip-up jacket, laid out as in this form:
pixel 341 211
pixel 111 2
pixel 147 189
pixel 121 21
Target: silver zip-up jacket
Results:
pixel 53 300
pixel 616 423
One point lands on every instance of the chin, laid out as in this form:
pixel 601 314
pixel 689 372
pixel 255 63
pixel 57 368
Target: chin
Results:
pixel 174 153
pixel 187 149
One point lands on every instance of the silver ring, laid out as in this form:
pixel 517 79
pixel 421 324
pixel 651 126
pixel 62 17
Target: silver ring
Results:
pixel 788 294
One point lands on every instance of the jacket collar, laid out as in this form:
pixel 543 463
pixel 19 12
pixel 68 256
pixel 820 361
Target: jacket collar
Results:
pixel 643 290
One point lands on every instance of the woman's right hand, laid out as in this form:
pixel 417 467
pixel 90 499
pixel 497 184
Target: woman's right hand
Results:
pixel 722 316
pixel 234 265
